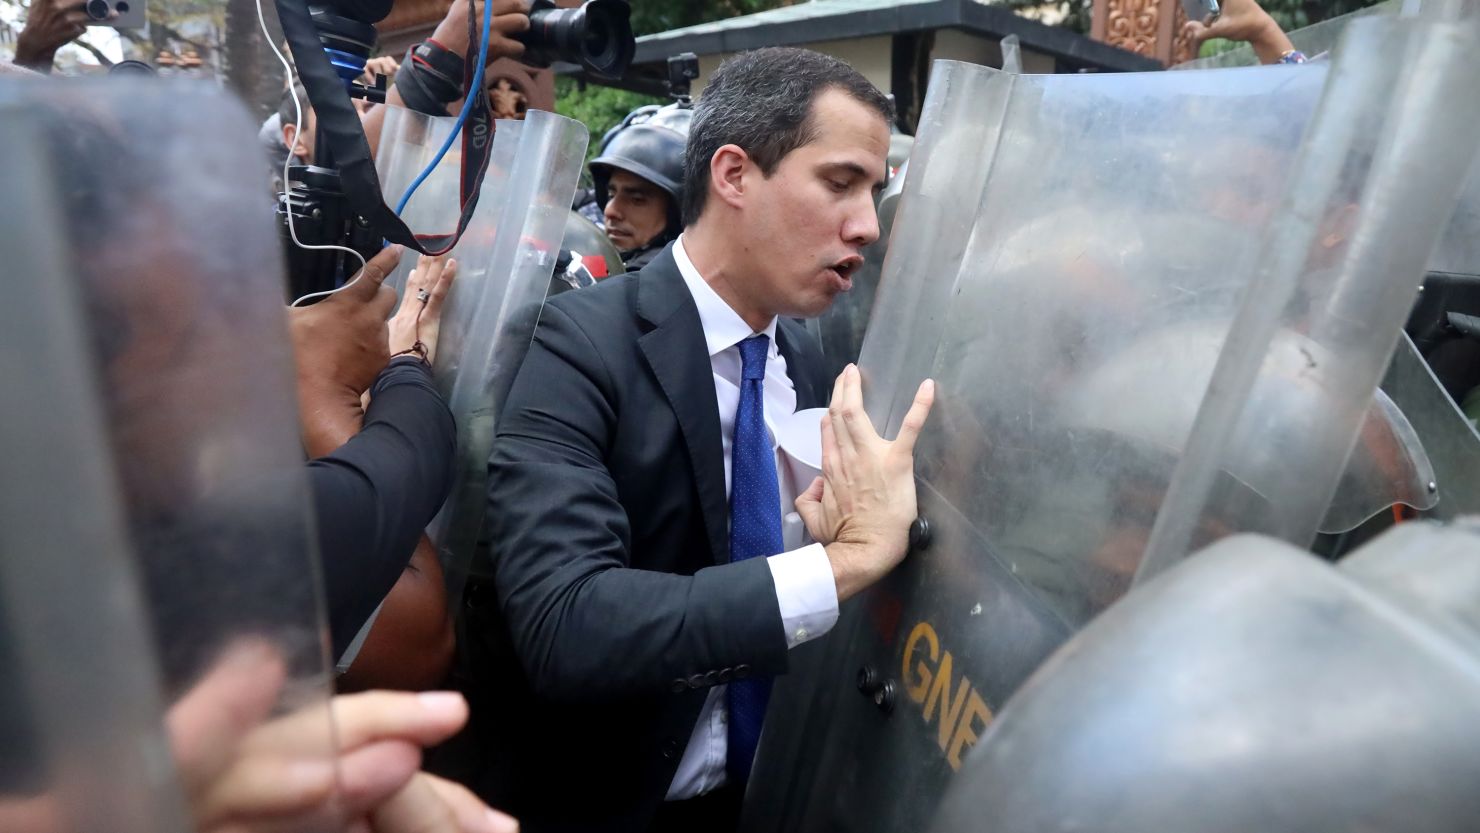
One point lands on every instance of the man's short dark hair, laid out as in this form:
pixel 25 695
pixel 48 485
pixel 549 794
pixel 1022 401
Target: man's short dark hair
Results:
pixel 286 114
pixel 761 101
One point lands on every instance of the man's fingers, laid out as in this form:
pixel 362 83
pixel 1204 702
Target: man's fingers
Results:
pixel 1195 31
pixel 377 269
pixel 471 813
pixel 207 724
pixel 384 302
pixel 502 8
pixel 809 507
pixel 266 785
pixel 846 411
pixel 440 288
pixel 375 772
pixel 830 451
pixel 421 807
pixel 812 494
pixel 914 420
pixel 509 24
pixel 426 719
pixel 502 46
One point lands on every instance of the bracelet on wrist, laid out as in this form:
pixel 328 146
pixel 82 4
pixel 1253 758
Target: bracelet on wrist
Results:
pixel 417 350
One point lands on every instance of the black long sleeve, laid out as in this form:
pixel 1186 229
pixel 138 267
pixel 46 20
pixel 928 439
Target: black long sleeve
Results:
pixel 376 493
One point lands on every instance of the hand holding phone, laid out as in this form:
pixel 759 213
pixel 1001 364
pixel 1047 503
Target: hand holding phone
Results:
pixel 1202 11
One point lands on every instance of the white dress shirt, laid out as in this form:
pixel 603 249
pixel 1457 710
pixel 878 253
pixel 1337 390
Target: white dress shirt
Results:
pixel 805 590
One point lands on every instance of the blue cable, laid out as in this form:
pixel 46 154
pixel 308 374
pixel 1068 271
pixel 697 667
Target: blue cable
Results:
pixel 476 88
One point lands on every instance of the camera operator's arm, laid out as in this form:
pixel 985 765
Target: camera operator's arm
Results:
pixel 510 17
pixel 50 25
pixel 1247 21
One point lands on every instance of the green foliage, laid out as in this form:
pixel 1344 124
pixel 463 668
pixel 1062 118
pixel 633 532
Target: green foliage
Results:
pixel 599 108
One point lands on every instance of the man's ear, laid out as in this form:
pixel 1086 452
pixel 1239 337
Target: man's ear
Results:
pixel 728 168
pixel 291 142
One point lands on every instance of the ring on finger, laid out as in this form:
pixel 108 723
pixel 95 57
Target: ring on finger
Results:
pixel 423 295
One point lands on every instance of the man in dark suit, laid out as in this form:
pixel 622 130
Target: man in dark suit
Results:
pixel 635 496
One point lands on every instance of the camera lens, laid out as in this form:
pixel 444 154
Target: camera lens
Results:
pixel 98 9
pixel 598 36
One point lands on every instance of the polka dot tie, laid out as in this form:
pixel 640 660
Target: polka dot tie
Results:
pixel 755 530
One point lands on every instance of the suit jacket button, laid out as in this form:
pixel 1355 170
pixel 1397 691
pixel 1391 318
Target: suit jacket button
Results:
pixel 670 749
pixel 678 686
pixel 726 674
pixel 711 678
pixel 696 681
pixel 742 671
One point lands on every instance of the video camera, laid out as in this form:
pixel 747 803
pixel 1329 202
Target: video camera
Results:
pixel 336 201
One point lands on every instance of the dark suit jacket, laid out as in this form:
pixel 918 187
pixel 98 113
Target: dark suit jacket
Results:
pixel 613 609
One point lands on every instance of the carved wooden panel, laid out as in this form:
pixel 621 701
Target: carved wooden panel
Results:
pixel 1181 45
pixel 1148 27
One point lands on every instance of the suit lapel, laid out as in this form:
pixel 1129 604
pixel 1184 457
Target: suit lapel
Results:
pixel 675 350
pixel 802 364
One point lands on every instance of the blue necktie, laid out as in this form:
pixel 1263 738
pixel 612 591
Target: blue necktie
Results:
pixel 755 531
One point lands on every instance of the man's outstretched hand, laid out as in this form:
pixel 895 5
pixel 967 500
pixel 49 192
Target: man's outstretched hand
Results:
pixel 862 506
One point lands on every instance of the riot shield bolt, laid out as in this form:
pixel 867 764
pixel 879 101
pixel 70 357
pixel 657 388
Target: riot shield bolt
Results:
pixel 1433 487
pixel 868 680
pixel 884 697
pixel 919 535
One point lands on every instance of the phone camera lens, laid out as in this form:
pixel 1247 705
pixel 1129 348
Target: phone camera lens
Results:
pixel 97 9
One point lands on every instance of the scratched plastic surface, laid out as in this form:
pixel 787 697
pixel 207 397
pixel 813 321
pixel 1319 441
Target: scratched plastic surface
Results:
pixel 505 258
pixel 156 515
pixel 1058 240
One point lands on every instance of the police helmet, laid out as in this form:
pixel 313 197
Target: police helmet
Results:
pixel 648 151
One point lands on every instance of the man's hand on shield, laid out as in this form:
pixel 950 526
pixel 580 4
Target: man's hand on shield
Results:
pixel 510 18
pixel 862 506
pixel 419 320
pixel 340 343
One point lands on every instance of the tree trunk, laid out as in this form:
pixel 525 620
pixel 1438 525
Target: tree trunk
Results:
pixel 246 63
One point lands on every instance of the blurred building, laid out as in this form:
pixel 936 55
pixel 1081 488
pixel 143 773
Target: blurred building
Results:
pixel 892 42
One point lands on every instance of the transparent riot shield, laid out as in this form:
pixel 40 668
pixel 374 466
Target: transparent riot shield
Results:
pixel 506 259
pixel 1106 214
pixel 1048 223
pixel 1253 687
pixel 1377 182
pixel 1450 440
pixel 82 746
pixel 178 285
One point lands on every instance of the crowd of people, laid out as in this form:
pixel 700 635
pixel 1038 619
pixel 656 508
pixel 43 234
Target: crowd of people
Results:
pixel 612 667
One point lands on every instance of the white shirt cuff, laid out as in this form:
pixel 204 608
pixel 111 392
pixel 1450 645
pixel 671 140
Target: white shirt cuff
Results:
pixel 806 593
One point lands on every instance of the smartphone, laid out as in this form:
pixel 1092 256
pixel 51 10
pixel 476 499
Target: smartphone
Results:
pixel 1205 11
pixel 131 13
